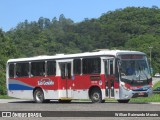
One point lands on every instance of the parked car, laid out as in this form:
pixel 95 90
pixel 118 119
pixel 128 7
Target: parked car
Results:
pixel 157 75
pixel 156 90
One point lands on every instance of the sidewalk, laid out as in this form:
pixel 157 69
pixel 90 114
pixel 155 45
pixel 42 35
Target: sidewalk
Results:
pixel 12 100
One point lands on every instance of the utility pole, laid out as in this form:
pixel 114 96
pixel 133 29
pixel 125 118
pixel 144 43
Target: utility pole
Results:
pixel 150 48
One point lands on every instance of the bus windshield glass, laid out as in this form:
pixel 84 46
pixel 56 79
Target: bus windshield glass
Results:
pixel 134 67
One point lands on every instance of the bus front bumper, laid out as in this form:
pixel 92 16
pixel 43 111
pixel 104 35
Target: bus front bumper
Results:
pixel 128 94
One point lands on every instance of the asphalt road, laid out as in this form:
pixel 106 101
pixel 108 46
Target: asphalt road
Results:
pixel 78 106
pixel 22 105
pixel 25 105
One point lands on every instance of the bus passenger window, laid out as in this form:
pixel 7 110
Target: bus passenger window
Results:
pixel 77 66
pixel 106 68
pixel 69 70
pixel 65 70
pixel 38 68
pixel 22 70
pixel 51 68
pixel 91 65
pixel 111 67
pixel 11 70
pixel 62 67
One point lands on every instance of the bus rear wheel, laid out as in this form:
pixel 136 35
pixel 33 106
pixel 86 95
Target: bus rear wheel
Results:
pixel 96 96
pixel 123 101
pixel 38 96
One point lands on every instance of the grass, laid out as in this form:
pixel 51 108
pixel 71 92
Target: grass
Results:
pixel 153 98
pixel 5 97
pixel 156 85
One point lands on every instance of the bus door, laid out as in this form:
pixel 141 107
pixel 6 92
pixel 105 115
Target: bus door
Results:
pixel 66 79
pixel 109 75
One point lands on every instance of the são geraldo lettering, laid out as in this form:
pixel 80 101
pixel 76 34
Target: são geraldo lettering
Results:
pixel 45 81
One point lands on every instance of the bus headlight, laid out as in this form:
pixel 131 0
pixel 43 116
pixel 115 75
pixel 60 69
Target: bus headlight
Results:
pixel 126 88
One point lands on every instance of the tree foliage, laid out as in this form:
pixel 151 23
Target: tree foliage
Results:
pixel 132 28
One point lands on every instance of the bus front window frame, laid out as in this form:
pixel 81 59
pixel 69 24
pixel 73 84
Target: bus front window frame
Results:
pixel 136 73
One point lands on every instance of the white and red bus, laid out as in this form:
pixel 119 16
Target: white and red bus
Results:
pixel 96 76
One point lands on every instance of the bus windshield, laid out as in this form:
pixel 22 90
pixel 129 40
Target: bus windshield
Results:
pixel 135 69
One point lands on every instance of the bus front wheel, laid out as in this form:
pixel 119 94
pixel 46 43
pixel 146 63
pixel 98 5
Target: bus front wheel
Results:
pixel 96 96
pixel 38 95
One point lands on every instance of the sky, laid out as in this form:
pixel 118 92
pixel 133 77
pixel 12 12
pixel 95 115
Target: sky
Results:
pixel 13 12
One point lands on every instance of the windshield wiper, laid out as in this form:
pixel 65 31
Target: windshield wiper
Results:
pixel 146 77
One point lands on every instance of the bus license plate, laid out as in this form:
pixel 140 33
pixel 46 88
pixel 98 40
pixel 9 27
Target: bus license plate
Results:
pixel 141 93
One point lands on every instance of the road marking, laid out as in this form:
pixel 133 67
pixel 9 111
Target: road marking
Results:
pixel 25 101
pixel 11 100
pixel 154 103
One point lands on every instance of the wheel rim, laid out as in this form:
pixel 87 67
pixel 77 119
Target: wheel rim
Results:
pixel 39 96
pixel 96 97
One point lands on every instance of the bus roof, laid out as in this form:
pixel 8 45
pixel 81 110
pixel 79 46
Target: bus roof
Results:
pixel 85 54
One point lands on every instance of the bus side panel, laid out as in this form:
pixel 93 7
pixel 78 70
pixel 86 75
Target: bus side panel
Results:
pixel 79 86
pixel 19 89
pixel 25 86
pixel 54 87
pixel 50 89
pixel 25 94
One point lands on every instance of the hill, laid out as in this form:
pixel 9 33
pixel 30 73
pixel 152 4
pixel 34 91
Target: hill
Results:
pixel 130 28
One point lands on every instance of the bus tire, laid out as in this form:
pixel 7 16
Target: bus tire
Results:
pixel 38 96
pixel 123 101
pixel 96 96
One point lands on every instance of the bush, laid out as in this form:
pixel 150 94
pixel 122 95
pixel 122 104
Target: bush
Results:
pixel 2 83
